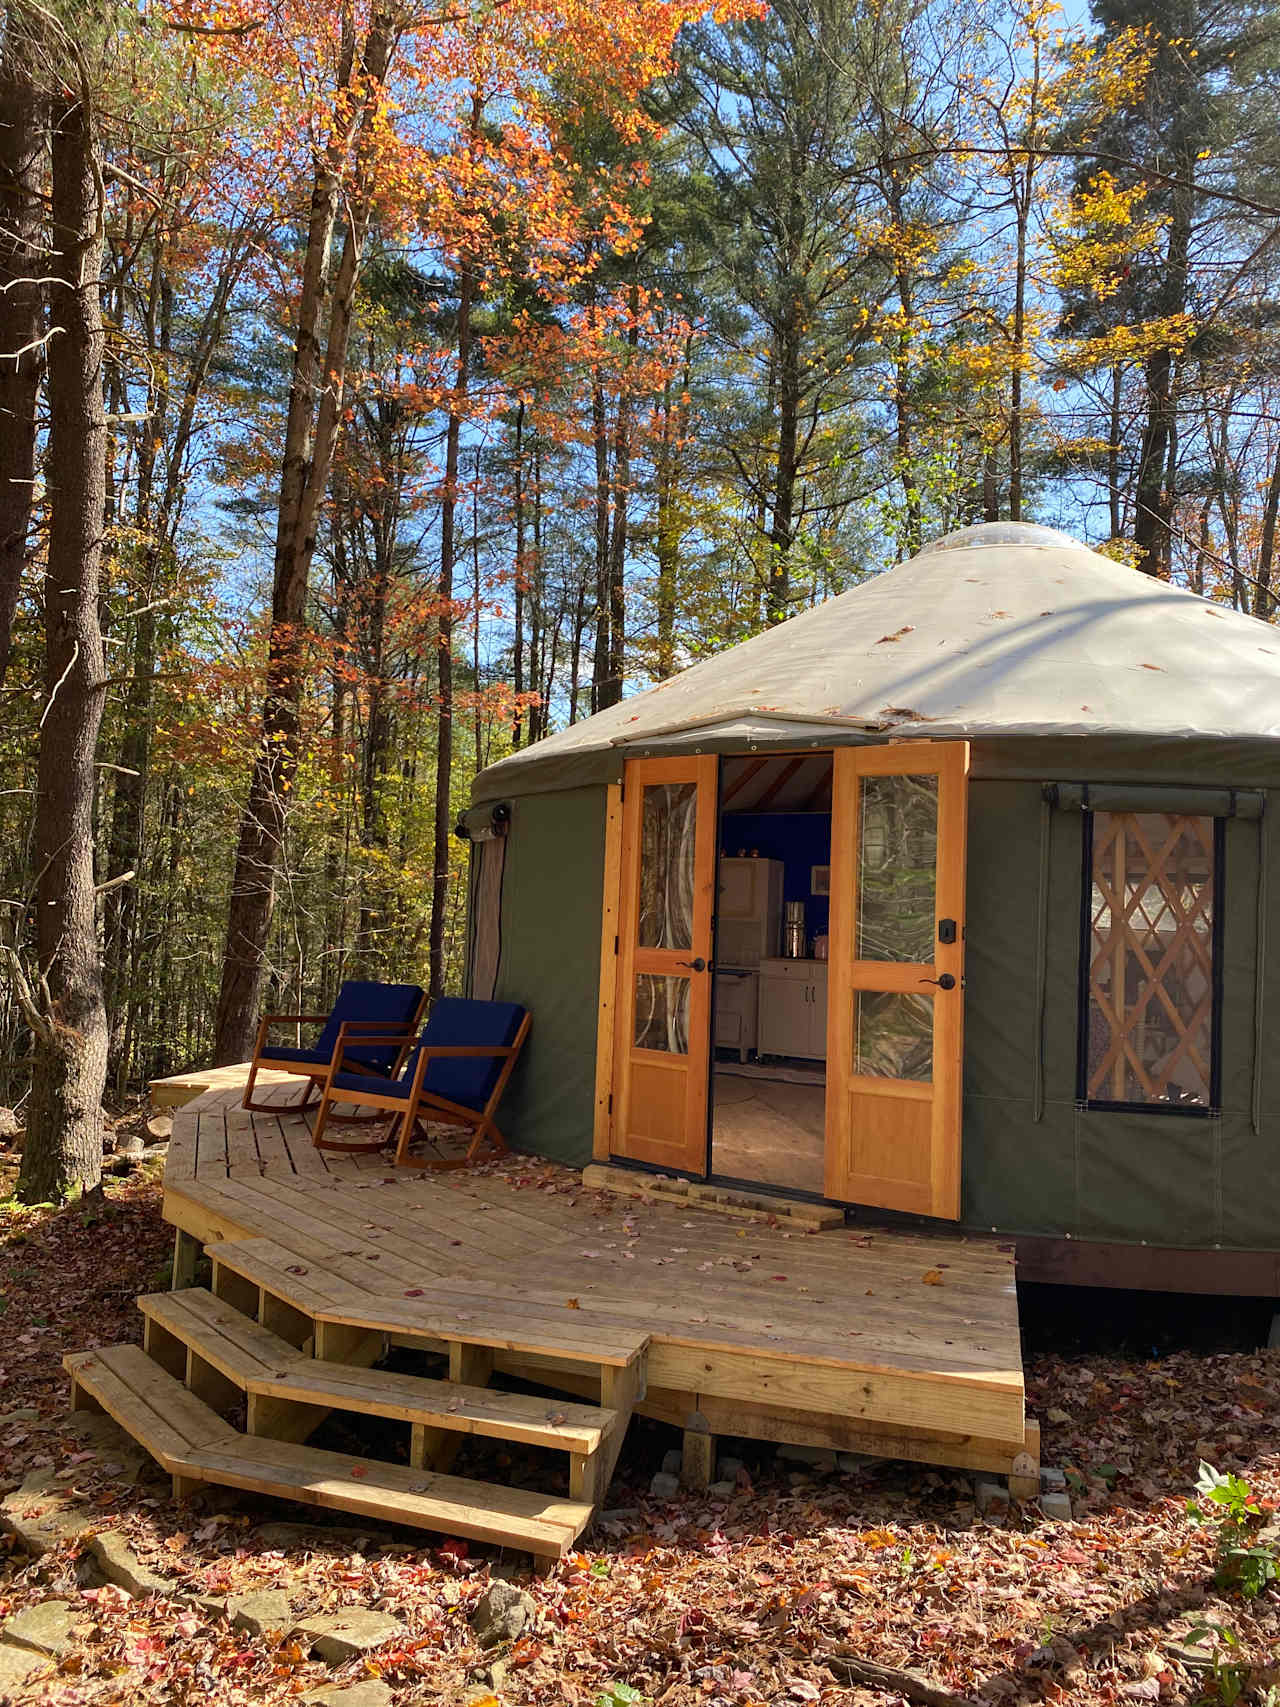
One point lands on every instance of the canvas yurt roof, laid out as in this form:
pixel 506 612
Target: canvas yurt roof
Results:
pixel 1004 629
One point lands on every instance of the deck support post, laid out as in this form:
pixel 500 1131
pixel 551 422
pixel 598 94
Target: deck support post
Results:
pixel 187 1252
pixel 1024 1472
pixel 185 1486
pixel 698 1459
pixel 437 1448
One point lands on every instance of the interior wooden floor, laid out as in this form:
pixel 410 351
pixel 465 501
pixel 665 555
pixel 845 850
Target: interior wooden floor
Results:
pixel 885 1341
pixel 771 1131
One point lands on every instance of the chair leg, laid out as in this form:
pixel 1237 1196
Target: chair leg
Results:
pixel 246 1100
pixel 487 1131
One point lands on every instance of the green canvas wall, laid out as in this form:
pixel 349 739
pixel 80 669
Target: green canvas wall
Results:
pixel 1168 1179
pixel 552 888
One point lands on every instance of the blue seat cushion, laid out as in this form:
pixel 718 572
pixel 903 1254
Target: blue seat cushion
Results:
pixel 305 1057
pixel 365 1082
pixel 386 1004
pixel 467 1080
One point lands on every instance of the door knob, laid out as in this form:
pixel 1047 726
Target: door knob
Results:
pixel 945 982
pixel 698 965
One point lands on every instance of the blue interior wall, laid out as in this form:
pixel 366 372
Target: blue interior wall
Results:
pixel 800 840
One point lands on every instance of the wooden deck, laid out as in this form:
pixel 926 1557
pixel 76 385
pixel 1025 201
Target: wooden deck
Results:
pixel 883 1341
pixel 628 1293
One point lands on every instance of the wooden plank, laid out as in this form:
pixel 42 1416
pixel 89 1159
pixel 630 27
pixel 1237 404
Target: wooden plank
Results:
pixel 391 1493
pixel 994 1411
pixel 602 1131
pixel 231 1341
pixel 522 1417
pixel 149 1404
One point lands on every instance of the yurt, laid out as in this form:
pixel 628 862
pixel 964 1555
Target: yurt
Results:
pixel 948 898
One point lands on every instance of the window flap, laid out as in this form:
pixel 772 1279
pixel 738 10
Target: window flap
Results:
pixel 1142 797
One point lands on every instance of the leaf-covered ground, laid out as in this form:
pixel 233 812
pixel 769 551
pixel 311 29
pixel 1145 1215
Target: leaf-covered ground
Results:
pixel 728 1602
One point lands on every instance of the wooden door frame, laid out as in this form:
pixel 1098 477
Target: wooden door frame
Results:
pixel 950 761
pixel 621 870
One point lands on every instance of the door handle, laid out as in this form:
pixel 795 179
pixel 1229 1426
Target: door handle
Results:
pixel 945 982
pixel 698 965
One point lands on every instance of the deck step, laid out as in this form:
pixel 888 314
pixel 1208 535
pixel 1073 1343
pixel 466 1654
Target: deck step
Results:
pixel 261 1362
pixel 155 1409
pixel 546 1524
pixel 225 1337
pixel 433 1312
pixel 195 1444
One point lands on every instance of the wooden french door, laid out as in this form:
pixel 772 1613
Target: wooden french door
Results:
pixel 895 1013
pixel 662 1044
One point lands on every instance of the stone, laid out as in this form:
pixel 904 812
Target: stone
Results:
pixel 371 1693
pixel 129 1144
pixel 723 1490
pixel 45 1628
pixel 119 1564
pixel 664 1485
pixel 671 1461
pixel 497 1674
pixel 729 1468
pixel 43 1513
pixel 991 1498
pixel 16 1666
pixel 10 1125
pixel 286 1536
pixel 1052 1481
pixel 261 1610
pixel 816 1457
pixel 853 1463
pixel 24 1414
pixel 501 1614
pixel 345 1635
pixel 1056 1506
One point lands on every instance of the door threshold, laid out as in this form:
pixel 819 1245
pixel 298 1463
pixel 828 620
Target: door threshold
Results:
pixel 789 1193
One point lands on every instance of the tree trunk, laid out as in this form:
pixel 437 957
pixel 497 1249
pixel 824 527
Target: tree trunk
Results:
pixel 782 531
pixel 22 149
pixel 443 825
pixel 64 1121
pixel 1155 497
pixel 311 430
pixel 1263 600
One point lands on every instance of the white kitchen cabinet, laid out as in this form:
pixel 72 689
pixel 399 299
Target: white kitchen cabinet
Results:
pixel 736 1011
pixel 793 1009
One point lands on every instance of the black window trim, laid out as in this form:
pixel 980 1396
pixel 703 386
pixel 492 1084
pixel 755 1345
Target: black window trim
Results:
pixel 1213 1108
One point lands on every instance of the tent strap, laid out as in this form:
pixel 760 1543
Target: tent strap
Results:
pixel 1260 976
pixel 1042 952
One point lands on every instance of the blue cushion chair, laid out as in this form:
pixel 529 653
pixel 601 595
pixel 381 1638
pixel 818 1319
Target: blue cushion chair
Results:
pixel 392 1012
pixel 455 1074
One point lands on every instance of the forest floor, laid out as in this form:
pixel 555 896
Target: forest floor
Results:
pixel 719 1602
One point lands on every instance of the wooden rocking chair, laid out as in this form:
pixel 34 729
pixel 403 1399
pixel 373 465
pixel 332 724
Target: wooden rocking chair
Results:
pixel 455 1074
pixel 392 1011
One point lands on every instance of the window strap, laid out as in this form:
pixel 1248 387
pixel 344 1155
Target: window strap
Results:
pixel 1260 975
pixel 1042 954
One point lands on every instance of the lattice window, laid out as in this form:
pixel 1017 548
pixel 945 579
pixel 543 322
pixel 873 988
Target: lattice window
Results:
pixel 1150 943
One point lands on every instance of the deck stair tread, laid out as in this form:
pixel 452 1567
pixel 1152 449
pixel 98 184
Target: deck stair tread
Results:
pixel 150 1405
pixel 435 1310
pixel 223 1335
pixel 194 1443
pixel 395 1493
pixel 261 1362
